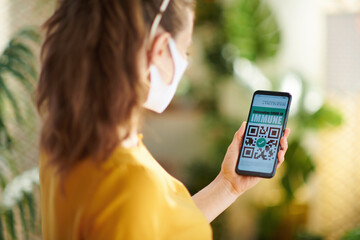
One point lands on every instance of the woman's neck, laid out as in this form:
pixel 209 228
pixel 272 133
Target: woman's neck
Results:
pixel 132 140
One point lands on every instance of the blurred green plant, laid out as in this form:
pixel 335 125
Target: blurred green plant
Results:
pixel 17 69
pixel 252 28
pixel 246 31
pixel 352 234
pixel 18 198
pixel 17 63
pixel 308 236
pixel 300 163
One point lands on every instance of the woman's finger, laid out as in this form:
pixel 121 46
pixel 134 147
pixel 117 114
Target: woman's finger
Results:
pixel 283 140
pixel 239 134
pixel 234 147
pixel 281 158
pixel 287 132
pixel 284 144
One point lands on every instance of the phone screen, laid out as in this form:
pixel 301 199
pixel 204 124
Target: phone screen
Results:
pixel 265 126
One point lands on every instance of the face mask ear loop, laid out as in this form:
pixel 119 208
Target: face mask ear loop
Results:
pixel 154 26
pixel 156 21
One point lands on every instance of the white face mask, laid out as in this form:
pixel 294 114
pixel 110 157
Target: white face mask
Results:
pixel 160 93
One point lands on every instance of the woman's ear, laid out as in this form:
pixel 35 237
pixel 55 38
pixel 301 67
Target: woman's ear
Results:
pixel 160 56
pixel 158 50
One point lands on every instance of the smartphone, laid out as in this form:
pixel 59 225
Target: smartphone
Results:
pixel 265 126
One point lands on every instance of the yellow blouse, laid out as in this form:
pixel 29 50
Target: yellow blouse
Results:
pixel 130 196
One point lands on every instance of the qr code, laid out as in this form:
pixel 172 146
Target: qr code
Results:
pixel 261 142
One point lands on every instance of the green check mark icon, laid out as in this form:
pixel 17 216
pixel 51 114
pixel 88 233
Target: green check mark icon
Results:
pixel 261 142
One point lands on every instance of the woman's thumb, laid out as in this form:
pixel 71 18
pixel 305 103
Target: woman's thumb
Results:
pixel 238 136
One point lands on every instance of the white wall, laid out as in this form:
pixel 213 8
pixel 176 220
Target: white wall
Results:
pixel 303 29
pixel 4 23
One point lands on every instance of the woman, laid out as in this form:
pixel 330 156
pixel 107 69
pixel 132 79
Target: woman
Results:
pixel 103 61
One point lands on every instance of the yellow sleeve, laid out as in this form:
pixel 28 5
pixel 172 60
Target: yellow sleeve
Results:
pixel 128 205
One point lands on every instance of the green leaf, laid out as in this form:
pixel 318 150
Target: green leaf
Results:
pixel 20 76
pixel 30 33
pixel 10 223
pixel 23 219
pixel 12 100
pixel 2 180
pixel 19 49
pixel 299 165
pixel 353 234
pixel 30 201
pixel 252 28
pixel 22 63
pixel 1 230
pixel 208 11
pixel 9 166
pixel 326 116
pixel 269 219
pixel 5 138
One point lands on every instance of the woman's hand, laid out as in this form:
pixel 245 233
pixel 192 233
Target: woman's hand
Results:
pixel 242 183
pixel 227 186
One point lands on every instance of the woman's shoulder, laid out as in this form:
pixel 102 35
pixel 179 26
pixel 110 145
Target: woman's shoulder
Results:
pixel 128 184
pixel 128 194
pixel 131 171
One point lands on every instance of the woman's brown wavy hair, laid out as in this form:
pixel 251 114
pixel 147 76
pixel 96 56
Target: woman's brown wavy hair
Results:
pixel 90 91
